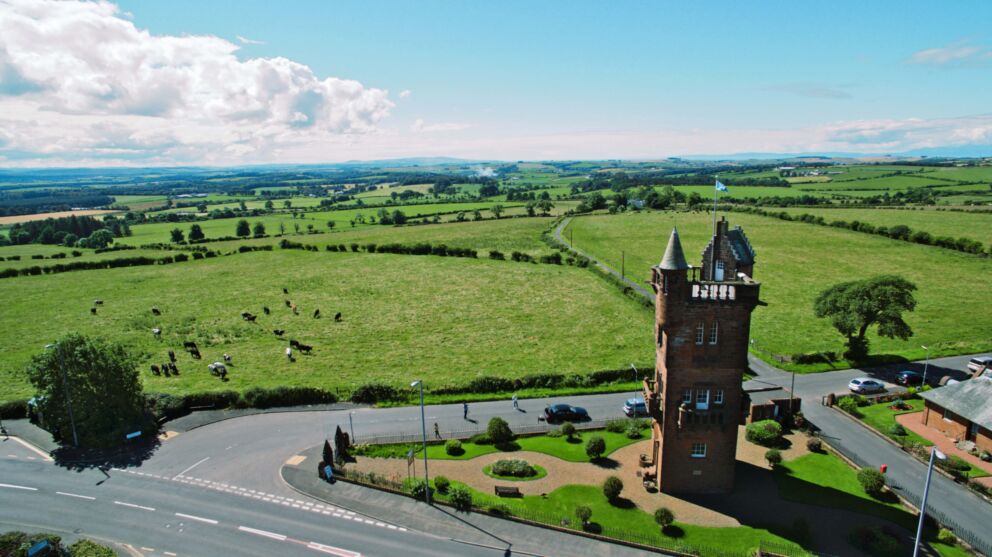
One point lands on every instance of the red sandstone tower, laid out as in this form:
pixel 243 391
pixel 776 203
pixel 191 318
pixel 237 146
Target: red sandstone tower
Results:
pixel 703 320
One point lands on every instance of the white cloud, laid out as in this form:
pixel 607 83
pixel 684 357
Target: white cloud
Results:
pixel 405 93
pixel 246 40
pixel 954 54
pixel 78 80
pixel 419 126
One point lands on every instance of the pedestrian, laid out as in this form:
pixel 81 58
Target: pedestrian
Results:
pixel 515 405
pixel 437 431
pixel 465 410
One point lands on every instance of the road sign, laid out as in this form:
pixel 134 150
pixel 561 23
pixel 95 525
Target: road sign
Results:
pixel 37 547
pixel 133 434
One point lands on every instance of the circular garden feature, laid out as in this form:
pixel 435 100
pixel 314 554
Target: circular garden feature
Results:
pixel 514 470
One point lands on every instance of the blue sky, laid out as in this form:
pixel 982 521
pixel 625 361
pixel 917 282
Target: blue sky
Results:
pixel 592 79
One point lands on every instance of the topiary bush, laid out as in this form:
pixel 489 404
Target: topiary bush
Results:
pixel 514 468
pixel 583 513
pixel 947 537
pixel 849 405
pixel 568 429
pixel 418 488
pixel 460 498
pixel 480 439
pixel 897 430
pixel 441 484
pixel 765 432
pixel 814 445
pixel 595 447
pixel 664 517
pixel 453 447
pixel 872 481
pixel 499 431
pixel 774 457
pixel 612 488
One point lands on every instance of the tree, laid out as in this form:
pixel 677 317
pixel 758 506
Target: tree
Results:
pixel 568 429
pixel 287 204
pixel 269 205
pixel 399 217
pixel 102 384
pixel 595 447
pixel 70 240
pixel 242 206
pixel 330 225
pixel 196 233
pixel 496 210
pixel 855 306
pixel 872 481
pixel 774 457
pixel 612 488
pixel 100 239
pixel 258 230
pixel 583 513
pixel 664 517
pixel 177 236
pixel 244 229
pixel 499 431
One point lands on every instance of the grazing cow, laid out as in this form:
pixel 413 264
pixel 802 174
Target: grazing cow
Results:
pixel 278 332
pixel 172 356
pixel 337 316
pixel 173 367
pixel 218 369
pixel 304 348
pixel 195 352
pixel 294 343
pixel 289 353
pixel 165 372
pixel 157 332
pixel 265 309
pixel 316 313
pixel 155 311
pixel 97 302
pixel 288 303
pixel 285 291
pixel 155 370
pixel 227 357
pixel 296 310
pixel 92 311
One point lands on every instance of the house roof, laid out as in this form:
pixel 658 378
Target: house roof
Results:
pixel 971 399
pixel 674 259
pixel 743 252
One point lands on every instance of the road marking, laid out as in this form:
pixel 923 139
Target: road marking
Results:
pixel 200 518
pixel 201 461
pixel 132 505
pixel 31 447
pixel 148 549
pixel 332 550
pixel 11 486
pixel 87 497
pixel 295 460
pixel 263 533
pixel 171 554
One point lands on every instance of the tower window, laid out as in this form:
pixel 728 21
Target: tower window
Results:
pixel 714 329
pixel 700 332
pixel 718 396
pixel 699 450
pixel 702 399
pixel 687 396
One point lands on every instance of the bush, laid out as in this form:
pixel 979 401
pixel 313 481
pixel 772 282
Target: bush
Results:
pixel 13 410
pixel 874 541
pixel 480 439
pixel 765 432
pixel 814 445
pixel 554 433
pixel 583 513
pixel 370 393
pixel 514 468
pixel 774 457
pixel 954 465
pixel 618 425
pixel 87 548
pixel 634 429
pixel 568 429
pixel 453 447
pixel 595 447
pixel 612 488
pixel 441 484
pixel 260 397
pixel 872 481
pixel 849 405
pixel 947 537
pixel 499 431
pixel 461 498
pixel 493 254
pixel 664 517
pixel 500 510
pixel 418 488
pixel 897 429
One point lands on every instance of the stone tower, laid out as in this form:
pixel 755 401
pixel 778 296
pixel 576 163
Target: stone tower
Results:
pixel 702 324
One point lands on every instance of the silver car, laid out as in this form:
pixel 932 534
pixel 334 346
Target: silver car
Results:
pixel 863 385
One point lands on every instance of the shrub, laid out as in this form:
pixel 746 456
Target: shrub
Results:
pixel 453 447
pixel 87 548
pixel 765 432
pixel 955 466
pixel 568 429
pixel 480 439
pixel 461 498
pixel 595 447
pixel 514 468
pixel 774 457
pixel 616 426
pixel 871 480
pixel 13 410
pixel 583 513
pixel 441 484
pixel 418 488
pixel 947 537
pixel 874 541
pixel 500 510
pixel 499 431
pixel 612 488
pixel 664 517
pixel 897 429
pixel 370 393
pixel 634 429
pixel 554 433
pixel 260 397
pixel 849 405
pixel 814 445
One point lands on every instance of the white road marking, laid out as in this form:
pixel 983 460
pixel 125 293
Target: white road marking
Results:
pixel 31 447
pixel 201 461
pixel 132 505
pixel 11 486
pixel 332 550
pixel 263 533
pixel 87 497
pixel 169 553
pixel 148 549
pixel 200 518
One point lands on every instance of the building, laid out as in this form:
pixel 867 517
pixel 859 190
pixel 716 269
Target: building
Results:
pixel 962 411
pixel 703 320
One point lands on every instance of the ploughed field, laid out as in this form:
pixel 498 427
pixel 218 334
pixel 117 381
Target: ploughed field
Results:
pixel 796 261
pixel 446 320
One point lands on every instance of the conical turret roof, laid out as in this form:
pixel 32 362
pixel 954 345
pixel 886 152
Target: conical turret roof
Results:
pixel 674 259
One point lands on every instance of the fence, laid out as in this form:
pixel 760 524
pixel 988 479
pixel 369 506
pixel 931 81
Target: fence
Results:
pixel 542 427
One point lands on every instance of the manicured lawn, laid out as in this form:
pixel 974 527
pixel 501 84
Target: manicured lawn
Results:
pixel 881 418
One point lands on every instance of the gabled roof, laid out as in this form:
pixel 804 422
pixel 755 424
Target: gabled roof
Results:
pixel 743 252
pixel 971 399
pixel 674 259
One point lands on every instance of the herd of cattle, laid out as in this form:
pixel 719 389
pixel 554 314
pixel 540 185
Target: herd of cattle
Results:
pixel 219 369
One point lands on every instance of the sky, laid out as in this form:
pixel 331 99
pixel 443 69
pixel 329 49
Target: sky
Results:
pixel 208 82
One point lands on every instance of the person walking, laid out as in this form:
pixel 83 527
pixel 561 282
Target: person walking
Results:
pixel 516 406
pixel 465 410
pixel 437 431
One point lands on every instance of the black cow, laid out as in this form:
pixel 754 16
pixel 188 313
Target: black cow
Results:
pixel 98 302
pixel 248 316
pixel 172 356
pixel 285 291
pixel 305 348
pixel 92 311
pixel 337 316
pixel 155 370
pixel 316 313
pixel 155 311
pixel 288 303
pixel 278 332
pixel 265 309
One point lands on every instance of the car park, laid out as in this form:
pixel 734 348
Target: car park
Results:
pixel 565 413
pixel 864 385
pixel 909 378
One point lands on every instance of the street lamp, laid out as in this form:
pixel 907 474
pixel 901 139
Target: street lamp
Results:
pixel 926 364
pixel 65 387
pixel 423 426
pixel 923 505
pixel 351 425
pixel 636 375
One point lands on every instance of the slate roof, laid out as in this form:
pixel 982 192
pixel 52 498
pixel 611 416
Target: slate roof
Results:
pixel 674 259
pixel 743 252
pixel 971 399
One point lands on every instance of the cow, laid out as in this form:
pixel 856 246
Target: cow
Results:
pixel 92 311
pixel 173 367
pixel 165 371
pixel 288 303
pixel 337 316
pixel 172 356
pixel 155 370
pixel 278 332
pixel 296 310
pixel 316 313
pixel 227 357
pixel 294 343
pixel 155 311
pixel 98 302
pixel 304 348
pixel 265 310
pixel 195 352
pixel 285 290
pixel 157 332
pixel 218 369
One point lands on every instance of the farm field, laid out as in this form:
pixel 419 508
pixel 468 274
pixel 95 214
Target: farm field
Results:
pixel 976 226
pixel 446 320
pixel 88 255
pixel 796 261
pixel 7 221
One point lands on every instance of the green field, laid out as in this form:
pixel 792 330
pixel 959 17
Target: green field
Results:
pixel 796 261
pixel 445 320
pixel 976 226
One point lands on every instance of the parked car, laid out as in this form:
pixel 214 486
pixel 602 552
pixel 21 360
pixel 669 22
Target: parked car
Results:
pixel 635 407
pixel 976 364
pixel 909 378
pixel 565 413
pixel 863 385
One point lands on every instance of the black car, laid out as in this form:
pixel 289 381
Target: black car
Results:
pixel 565 413
pixel 909 378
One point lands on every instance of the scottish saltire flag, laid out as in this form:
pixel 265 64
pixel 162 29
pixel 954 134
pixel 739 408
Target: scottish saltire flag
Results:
pixel 720 186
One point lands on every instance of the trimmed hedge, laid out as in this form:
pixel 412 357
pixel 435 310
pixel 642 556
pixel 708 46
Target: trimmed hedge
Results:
pixel 14 410
pixel 168 407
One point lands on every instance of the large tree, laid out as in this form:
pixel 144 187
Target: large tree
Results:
pixel 102 384
pixel 243 229
pixel 855 306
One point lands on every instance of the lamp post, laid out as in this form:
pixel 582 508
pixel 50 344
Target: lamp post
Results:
pixel 923 505
pixel 423 426
pixel 351 425
pixel 65 387
pixel 926 364
pixel 636 376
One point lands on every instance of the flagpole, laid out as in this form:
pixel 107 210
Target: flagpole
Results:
pixel 716 192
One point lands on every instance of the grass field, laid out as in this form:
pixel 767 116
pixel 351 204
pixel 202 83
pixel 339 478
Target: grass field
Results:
pixel 88 255
pixel 796 261
pixel 881 418
pixel 976 226
pixel 445 320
